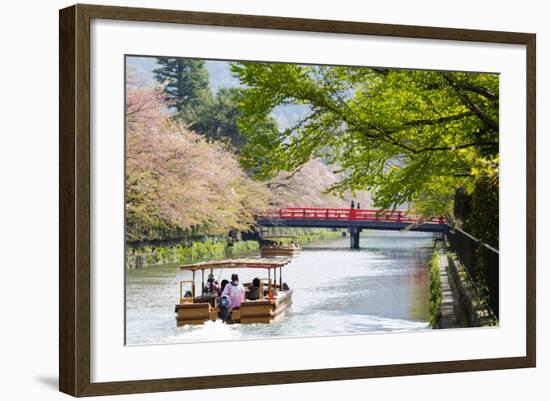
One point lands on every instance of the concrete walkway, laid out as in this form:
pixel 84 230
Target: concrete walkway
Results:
pixel 451 314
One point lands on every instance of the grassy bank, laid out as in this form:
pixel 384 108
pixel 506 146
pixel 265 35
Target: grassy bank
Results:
pixel 160 255
pixel 435 289
pixel 303 235
pixel 180 253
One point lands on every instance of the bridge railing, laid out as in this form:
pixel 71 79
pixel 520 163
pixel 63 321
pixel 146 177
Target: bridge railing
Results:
pixel 348 214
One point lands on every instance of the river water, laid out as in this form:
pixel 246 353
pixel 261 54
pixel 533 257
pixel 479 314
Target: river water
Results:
pixel 382 287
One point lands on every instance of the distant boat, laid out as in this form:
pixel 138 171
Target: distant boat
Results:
pixel 270 251
pixel 274 298
pixel 274 249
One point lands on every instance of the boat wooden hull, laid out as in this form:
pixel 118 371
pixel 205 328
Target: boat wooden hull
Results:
pixel 191 313
pixel 274 252
pixel 265 311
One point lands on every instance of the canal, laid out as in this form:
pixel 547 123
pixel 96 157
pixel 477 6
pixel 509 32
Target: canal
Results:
pixel 382 287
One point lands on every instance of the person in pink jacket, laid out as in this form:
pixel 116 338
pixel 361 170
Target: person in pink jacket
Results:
pixel 235 291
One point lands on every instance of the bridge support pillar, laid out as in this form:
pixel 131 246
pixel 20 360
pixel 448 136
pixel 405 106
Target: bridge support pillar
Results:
pixel 354 235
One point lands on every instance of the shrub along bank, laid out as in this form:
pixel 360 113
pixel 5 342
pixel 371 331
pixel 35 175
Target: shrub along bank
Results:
pixel 435 289
pixel 153 255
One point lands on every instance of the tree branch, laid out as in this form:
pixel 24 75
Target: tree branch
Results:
pixel 486 93
pixel 470 104
pixel 461 146
pixel 439 120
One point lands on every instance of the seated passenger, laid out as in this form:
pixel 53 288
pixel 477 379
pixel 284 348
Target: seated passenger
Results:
pixel 212 286
pixel 254 290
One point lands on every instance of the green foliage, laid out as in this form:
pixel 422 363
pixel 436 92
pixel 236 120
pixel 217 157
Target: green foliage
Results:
pixel 408 136
pixel 185 84
pixel 197 250
pixel 303 235
pixel 477 212
pixel 217 120
pixel 482 220
pixel 435 290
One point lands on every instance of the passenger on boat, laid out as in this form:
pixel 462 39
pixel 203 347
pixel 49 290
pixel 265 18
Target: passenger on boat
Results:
pixel 224 283
pixel 235 291
pixel 254 290
pixel 212 286
pixel 225 308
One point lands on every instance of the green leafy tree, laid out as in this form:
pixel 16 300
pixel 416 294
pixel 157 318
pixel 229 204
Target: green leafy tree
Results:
pixel 409 137
pixel 186 84
pixel 217 119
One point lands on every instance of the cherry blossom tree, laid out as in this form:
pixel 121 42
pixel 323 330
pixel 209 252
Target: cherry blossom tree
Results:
pixel 307 187
pixel 177 181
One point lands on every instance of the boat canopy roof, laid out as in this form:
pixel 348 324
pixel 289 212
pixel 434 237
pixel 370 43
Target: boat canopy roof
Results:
pixel 251 263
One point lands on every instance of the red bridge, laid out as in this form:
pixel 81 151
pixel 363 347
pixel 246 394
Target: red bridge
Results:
pixel 354 220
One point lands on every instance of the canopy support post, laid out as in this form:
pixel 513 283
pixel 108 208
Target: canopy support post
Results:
pixel 193 286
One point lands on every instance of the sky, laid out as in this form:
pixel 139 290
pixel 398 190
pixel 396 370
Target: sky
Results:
pixel 220 77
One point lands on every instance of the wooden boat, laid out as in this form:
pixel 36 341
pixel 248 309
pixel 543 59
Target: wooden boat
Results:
pixel 274 298
pixel 273 249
